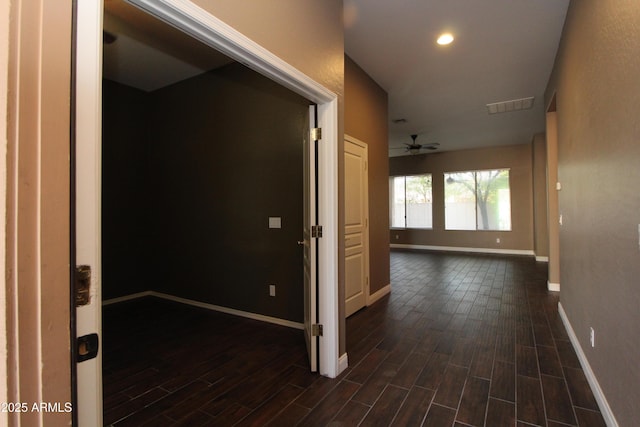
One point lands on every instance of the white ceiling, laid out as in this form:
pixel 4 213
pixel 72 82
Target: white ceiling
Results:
pixel 503 50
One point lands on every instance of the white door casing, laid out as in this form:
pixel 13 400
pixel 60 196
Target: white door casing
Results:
pixel 88 114
pixel 202 25
pixel 356 232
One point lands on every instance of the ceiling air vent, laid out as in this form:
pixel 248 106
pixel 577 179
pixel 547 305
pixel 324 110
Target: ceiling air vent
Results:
pixel 508 106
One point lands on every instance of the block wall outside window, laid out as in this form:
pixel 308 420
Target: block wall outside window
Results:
pixel 411 201
pixel 477 200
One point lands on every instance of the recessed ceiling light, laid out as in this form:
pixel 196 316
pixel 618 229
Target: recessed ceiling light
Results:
pixel 445 39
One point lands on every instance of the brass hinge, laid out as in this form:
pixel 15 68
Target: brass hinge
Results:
pixel 316 134
pixel 316 330
pixel 316 231
pixel 82 285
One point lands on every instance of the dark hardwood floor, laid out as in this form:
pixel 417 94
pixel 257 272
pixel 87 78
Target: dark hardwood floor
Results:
pixel 462 340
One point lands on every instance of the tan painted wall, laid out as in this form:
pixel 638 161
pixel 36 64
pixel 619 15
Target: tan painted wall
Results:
pixel 307 34
pixel 366 119
pixel 540 231
pixel 38 208
pixel 598 99
pixel 515 157
pixel 4 63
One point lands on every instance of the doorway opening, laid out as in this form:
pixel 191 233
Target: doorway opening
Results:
pixel 89 226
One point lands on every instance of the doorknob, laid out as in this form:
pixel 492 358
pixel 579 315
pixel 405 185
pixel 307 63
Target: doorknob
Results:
pixel 301 242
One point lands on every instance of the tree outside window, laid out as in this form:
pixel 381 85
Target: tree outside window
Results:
pixel 477 200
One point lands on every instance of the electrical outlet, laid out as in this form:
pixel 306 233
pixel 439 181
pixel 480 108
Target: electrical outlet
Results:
pixel 272 290
pixel 592 337
pixel 498 240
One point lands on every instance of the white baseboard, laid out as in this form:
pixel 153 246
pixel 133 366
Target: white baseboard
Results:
pixel 542 258
pixel 553 287
pixel 462 249
pixel 213 307
pixel 343 363
pixel 378 294
pixel 605 409
pixel 126 298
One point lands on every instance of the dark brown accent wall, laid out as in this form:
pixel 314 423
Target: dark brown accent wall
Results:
pixel 223 154
pixel 515 157
pixel 595 80
pixel 125 191
pixel 366 119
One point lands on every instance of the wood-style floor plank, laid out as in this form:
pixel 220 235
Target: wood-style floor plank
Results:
pixel 462 340
pixel 415 407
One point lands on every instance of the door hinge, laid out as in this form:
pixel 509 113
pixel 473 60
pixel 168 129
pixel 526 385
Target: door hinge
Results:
pixel 316 134
pixel 316 231
pixel 82 282
pixel 316 330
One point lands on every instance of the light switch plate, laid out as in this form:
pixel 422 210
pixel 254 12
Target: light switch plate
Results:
pixel 275 222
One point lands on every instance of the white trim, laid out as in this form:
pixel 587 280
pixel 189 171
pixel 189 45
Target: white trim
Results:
pixel 542 258
pixel 553 287
pixel 605 409
pixel 328 300
pixel 343 363
pixel 88 218
pixel 374 297
pixel 462 249
pixel 212 307
pixel 126 298
pixel 200 24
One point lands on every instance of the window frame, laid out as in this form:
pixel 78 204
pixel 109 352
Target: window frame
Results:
pixel 391 201
pixel 475 196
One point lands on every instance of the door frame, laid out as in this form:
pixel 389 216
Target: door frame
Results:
pixel 200 24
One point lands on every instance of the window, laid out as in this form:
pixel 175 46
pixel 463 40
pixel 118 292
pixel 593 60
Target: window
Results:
pixel 410 201
pixel 477 200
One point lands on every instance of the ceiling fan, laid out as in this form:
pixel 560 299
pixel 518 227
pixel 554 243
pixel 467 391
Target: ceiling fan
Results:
pixel 415 148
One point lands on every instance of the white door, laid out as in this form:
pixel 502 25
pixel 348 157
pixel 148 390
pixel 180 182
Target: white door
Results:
pixel 356 231
pixel 88 113
pixel 309 242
